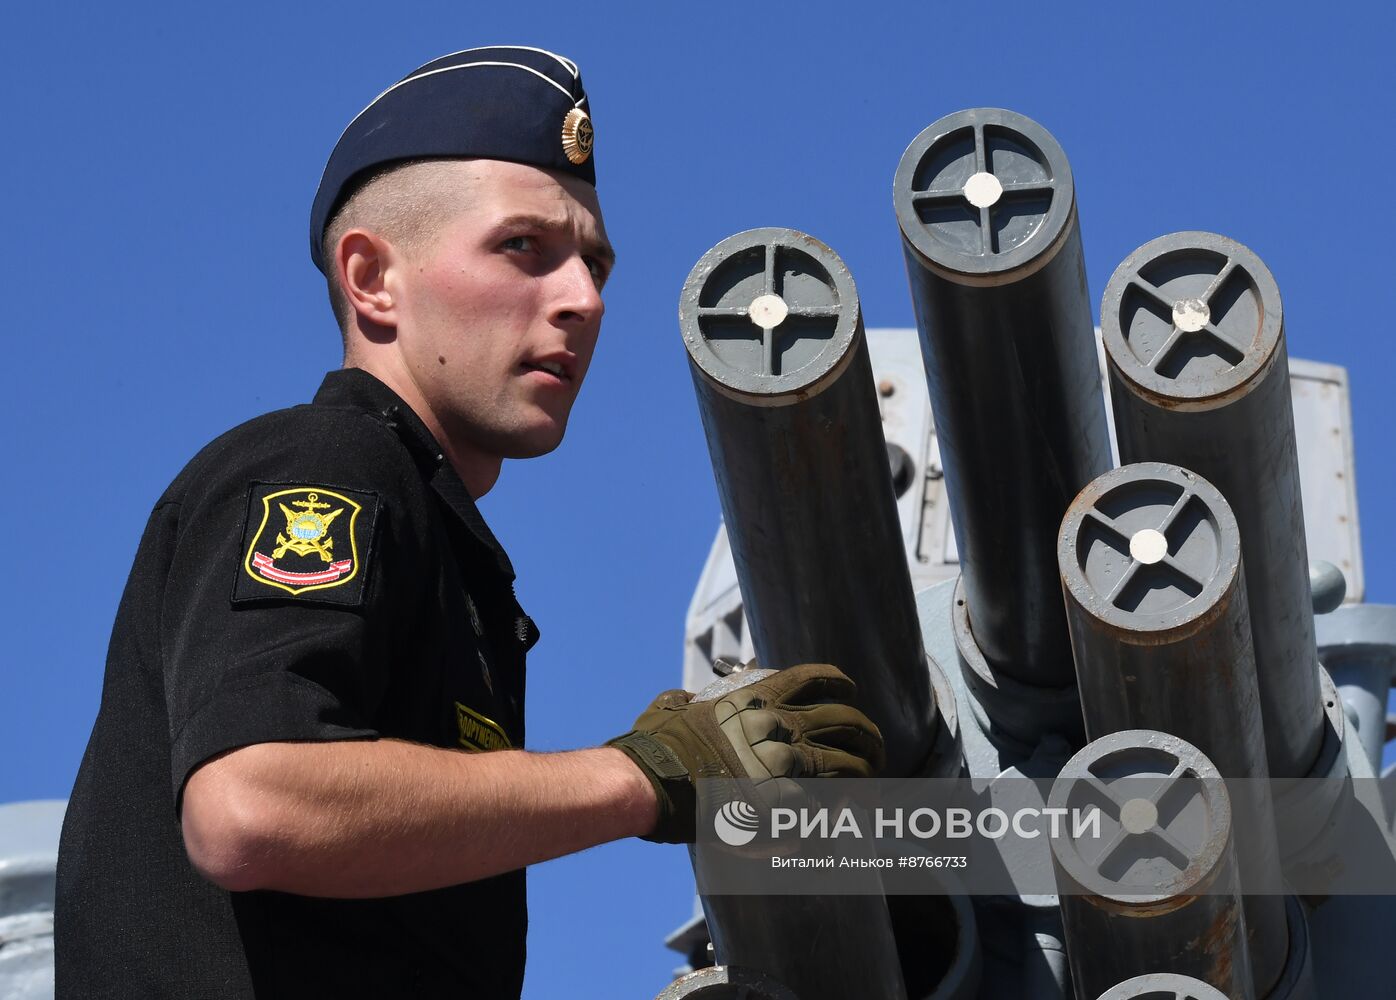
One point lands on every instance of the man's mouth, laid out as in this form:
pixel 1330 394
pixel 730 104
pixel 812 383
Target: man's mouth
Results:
pixel 551 367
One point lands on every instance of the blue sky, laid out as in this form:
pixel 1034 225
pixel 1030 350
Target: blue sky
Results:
pixel 158 167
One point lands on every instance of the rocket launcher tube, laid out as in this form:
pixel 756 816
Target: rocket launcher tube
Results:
pixel 1156 604
pixel 987 210
pixel 780 365
pixel 1199 378
pixel 1157 887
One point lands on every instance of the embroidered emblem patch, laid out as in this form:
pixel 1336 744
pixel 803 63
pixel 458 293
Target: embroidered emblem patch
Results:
pixel 305 540
pixel 478 732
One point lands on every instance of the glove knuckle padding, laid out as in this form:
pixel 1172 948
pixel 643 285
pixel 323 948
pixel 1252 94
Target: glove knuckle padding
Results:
pixel 740 750
pixel 743 700
pixel 782 759
pixel 759 725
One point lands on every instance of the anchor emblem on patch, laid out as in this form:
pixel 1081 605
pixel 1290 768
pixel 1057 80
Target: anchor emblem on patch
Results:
pixel 306 528
pixel 307 539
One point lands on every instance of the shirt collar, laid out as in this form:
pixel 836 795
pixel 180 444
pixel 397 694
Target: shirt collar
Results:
pixel 357 389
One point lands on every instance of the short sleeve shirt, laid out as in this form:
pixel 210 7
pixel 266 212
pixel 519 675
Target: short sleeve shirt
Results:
pixel 319 573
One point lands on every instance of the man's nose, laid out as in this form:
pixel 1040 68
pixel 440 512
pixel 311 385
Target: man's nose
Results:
pixel 578 299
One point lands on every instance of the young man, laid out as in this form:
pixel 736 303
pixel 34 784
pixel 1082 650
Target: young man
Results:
pixel 305 777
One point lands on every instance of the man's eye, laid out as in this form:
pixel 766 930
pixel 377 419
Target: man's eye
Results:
pixel 523 244
pixel 597 269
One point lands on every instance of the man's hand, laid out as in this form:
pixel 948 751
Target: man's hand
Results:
pixel 796 723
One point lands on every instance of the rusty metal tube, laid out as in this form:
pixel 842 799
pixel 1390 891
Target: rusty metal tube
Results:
pixel 1157 888
pixel 780 366
pixel 1199 378
pixel 772 934
pixel 1151 569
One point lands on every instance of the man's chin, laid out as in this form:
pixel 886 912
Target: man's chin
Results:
pixel 528 440
pixel 532 450
pixel 531 443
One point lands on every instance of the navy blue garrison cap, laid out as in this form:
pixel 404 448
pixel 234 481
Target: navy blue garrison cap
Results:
pixel 503 102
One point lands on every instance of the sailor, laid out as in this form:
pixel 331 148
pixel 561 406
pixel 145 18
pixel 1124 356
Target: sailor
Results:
pixel 307 774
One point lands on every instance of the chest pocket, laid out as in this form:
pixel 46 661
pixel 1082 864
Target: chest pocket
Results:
pixel 480 714
pixel 486 676
pixel 473 713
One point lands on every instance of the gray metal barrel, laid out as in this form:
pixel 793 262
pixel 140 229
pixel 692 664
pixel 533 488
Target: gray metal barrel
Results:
pixel 1155 885
pixel 780 364
pixel 987 211
pixel 1162 986
pixel 770 936
pixel 856 955
pixel 1199 378
pixel 1151 568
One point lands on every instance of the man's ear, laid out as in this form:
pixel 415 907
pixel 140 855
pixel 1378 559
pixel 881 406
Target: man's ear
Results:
pixel 363 259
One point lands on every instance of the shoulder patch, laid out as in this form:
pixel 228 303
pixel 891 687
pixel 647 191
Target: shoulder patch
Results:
pixel 304 541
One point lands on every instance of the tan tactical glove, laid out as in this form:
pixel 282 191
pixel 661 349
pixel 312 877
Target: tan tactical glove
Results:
pixel 796 723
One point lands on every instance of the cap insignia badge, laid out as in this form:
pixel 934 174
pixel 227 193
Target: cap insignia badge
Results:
pixel 577 135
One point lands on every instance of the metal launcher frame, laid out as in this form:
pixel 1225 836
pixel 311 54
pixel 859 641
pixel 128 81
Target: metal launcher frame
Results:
pixel 1077 555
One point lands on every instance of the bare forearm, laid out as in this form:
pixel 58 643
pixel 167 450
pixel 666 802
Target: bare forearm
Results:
pixel 360 819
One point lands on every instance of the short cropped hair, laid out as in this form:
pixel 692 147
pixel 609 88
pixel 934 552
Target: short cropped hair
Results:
pixel 404 202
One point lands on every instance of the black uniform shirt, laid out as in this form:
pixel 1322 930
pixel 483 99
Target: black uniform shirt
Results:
pixel 318 573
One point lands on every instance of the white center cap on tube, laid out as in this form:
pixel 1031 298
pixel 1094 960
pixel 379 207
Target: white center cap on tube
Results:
pixel 1148 546
pixel 1138 816
pixel 983 190
pixel 1191 315
pixel 768 311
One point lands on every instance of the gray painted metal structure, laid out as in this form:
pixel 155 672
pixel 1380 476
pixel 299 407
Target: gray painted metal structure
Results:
pixel 1019 941
pixel 1357 644
pixel 970 459
pixel 28 855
